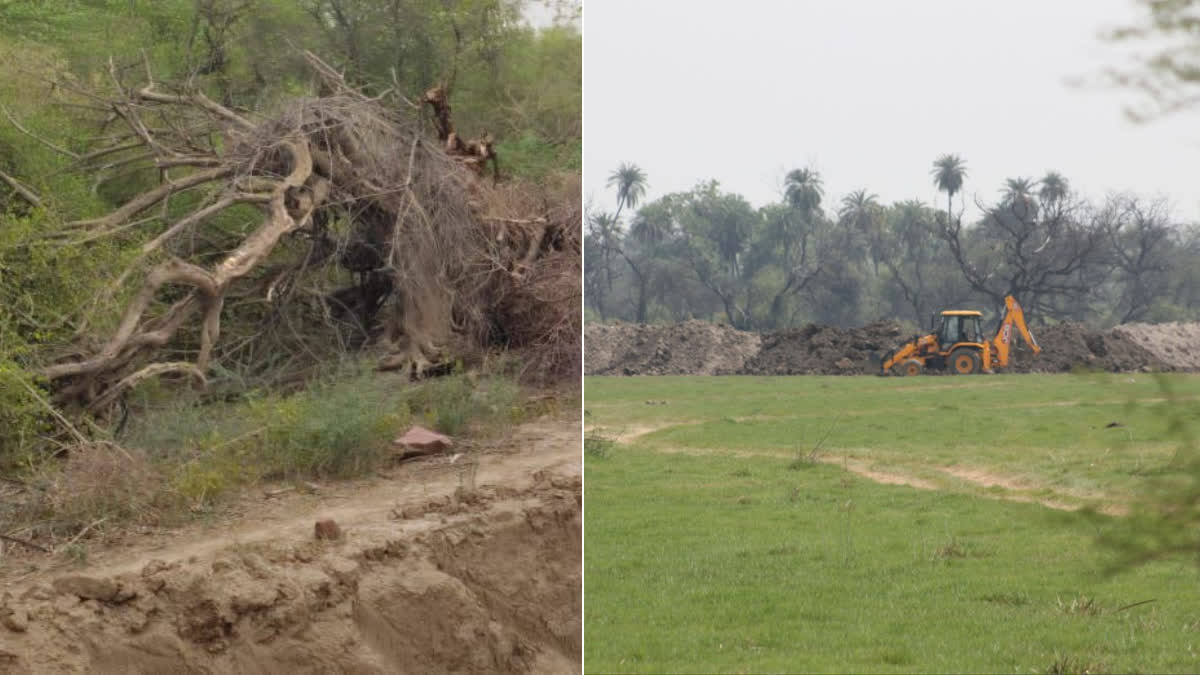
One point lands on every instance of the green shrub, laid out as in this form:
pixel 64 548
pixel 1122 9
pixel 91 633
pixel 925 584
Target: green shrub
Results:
pixel 339 427
pixel 342 428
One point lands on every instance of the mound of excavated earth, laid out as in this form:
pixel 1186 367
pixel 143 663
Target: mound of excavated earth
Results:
pixel 823 350
pixel 1069 345
pixel 699 348
pixel 416 576
pixel 1177 344
pixel 688 348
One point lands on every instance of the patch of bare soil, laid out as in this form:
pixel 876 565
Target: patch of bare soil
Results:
pixel 422 573
pixel 984 477
pixel 1013 490
pixel 871 473
pixel 816 349
pixel 688 348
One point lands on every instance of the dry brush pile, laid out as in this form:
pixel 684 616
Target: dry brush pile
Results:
pixel 272 242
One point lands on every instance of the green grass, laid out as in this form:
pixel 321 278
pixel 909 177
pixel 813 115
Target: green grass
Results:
pixel 704 552
pixel 339 427
pixel 1046 430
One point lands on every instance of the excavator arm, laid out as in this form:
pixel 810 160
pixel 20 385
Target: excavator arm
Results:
pixel 1002 343
pixel 898 356
pixel 915 349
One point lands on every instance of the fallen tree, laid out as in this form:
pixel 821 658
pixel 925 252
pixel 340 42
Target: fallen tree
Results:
pixel 262 216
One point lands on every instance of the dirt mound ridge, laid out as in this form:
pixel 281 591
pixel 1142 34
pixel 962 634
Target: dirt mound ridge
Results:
pixel 1177 344
pixel 815 349
pixel 688 348
pixel 699 348
pixel 1069 345
pixel 482 582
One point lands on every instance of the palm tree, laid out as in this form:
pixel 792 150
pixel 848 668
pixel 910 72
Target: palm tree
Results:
pixel 802 189
pixel 1017 195
pixel 1017 188
pixel 604 227
pixel 948 174
pixel 1054 188
pixel 858 206
pixel 860 211
pixel 630 182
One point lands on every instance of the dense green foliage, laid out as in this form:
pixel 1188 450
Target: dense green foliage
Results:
pixel 709 254
pixel 518 83
pixel 718 541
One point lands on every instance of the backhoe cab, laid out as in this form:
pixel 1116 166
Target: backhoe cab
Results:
pixel 957 344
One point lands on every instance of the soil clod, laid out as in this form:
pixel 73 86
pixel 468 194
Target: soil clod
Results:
pixel 327 530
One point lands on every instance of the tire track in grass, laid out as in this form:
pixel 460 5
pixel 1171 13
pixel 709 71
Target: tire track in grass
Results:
pixel 1010 488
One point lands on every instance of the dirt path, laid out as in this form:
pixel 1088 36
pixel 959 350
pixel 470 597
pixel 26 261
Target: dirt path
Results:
pixel 997 486
pixel 424 577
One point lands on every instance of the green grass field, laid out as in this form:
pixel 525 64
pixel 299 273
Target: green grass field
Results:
pixel 716 539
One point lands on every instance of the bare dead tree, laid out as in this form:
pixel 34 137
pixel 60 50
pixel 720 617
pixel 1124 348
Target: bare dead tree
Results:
pixel 341 178
pixel 1140 239
pixel 1048 258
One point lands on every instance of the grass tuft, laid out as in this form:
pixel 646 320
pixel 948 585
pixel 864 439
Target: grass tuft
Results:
pixel 952 549
pixel 597 445
pixel 1013 598
pixel 1066 664
pixel 1081 605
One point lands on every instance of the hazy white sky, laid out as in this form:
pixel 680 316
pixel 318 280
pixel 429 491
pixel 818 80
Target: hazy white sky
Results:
pixel 869 92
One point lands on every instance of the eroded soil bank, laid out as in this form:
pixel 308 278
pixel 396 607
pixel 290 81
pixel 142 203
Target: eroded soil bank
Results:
pixel 425 576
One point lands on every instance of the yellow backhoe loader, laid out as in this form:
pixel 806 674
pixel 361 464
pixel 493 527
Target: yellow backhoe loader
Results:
pixel 957 344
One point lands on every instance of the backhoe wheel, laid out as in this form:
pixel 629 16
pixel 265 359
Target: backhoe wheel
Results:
pixel 965 362
pixel 910 367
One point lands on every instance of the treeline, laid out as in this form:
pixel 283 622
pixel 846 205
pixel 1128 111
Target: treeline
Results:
pixel 709 254
pixel 520 84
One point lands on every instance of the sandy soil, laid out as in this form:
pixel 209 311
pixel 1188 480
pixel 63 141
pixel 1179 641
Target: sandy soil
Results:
pixel 1175 343
pixel 427 575
pixel 688 348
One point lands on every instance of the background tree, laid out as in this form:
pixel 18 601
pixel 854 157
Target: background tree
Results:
pixel 949 172
pixel 1054 188
pixel 1051 264
pixel 630 182
pixel 1140 240
pixel 803 191
pixel 606 231
pixel 860 211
